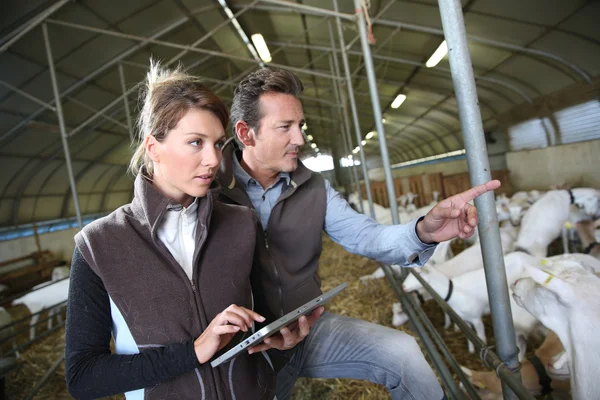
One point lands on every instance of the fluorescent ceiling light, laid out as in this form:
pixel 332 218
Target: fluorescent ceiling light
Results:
pixel 431 158
pixel 261 47
pixel 437 55
pixel 309 137
pixel 313 145
pixel 239 29
pixel 356 150
pixel 398 100
pixel 370 135
pixel 363 142
pixel 317 149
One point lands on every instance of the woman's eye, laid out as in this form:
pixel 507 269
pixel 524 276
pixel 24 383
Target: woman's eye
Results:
pixel 195 143
pixel 219 145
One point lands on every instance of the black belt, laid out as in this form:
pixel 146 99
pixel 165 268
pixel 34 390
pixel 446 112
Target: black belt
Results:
pixel 544 379
pixel 571 196
pixel 420 297
pixel 522 250
pixel 589 248
pixel 450 289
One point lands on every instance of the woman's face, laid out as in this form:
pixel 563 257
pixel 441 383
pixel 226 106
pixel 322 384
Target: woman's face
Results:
pixel 186 161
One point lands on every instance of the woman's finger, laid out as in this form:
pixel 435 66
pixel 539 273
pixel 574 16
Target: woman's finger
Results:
pixel 231 318
pixel 220 330
pixel 248 315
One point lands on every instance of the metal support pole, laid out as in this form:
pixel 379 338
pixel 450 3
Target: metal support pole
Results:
pixel 61 124
pixel 363 160
pixel 184 47
pixel 436 358
pixel 346 121
pixel 479 172
pixel 28 96
pixel 332 133
pixel 385 159
pixel 126 102
pixel 490 359
pixel 38 19
pixel 45 378
pixel 91 76
pixel 473 395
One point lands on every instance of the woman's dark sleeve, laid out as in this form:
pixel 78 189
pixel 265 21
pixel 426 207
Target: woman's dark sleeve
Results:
pixel 92 371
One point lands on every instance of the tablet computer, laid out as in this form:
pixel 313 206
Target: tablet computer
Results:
pixel 274 327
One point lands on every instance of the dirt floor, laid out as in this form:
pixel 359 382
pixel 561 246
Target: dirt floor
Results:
pixel 371 302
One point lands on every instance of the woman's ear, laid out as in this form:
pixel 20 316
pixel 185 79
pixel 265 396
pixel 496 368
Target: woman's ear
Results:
pixel 152 148
pixel 245 134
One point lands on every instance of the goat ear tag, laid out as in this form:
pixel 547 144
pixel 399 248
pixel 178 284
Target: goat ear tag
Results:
pixel 545 261
pixel 568 225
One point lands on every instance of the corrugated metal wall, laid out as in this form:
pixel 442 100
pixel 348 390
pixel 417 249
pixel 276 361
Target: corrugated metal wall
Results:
pixel 574 124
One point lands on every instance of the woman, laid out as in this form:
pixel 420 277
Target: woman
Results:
pixel 160 273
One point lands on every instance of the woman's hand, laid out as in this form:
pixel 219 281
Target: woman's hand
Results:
pixel 221 330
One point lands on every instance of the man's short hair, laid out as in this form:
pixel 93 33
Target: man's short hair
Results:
pixel 246 104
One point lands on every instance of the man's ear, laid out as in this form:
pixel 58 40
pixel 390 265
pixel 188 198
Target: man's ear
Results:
pixel 245 134
pixel 152 148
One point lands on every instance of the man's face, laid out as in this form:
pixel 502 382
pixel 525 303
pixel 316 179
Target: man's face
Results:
pixel 279 135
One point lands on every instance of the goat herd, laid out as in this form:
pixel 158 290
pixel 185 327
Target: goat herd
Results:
pixel 558 296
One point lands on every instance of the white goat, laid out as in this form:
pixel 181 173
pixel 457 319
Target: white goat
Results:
pixel 468 260
pixel 410 207
pixel 47 296
pixel 7 329
pixel 442 252
pixel 469 297
pixel 59 273
pixel 546 218
pixel 566 299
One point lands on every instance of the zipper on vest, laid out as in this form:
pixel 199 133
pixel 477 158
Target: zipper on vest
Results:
pixel 279 289
pixel 193 286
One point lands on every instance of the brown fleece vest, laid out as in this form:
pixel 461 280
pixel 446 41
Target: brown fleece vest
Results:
pixel 291 244
pixel 161 305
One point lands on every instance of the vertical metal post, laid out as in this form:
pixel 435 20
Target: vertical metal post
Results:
pixel 363 161
pixel 337 156
pixel 385 159
pixel 417 325
pixel 479 172
pixel 61 123
pixel 346 121
pixel 126 102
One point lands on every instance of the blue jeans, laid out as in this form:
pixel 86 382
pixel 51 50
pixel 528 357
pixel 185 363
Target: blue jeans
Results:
pixel 343 347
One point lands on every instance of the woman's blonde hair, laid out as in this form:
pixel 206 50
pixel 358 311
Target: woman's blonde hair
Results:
pixel 167 96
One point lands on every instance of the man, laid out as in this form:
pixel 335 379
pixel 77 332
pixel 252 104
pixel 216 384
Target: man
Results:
pixel 260 169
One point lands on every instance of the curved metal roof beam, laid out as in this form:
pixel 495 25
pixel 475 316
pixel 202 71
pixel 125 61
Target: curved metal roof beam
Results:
pixel 184 47
pixel 511 19
pixel 497 81
pixel 294 7
pixel 94 74
pixel 37 196
pixel 85 169
pixel 113 181
pixel 434 134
